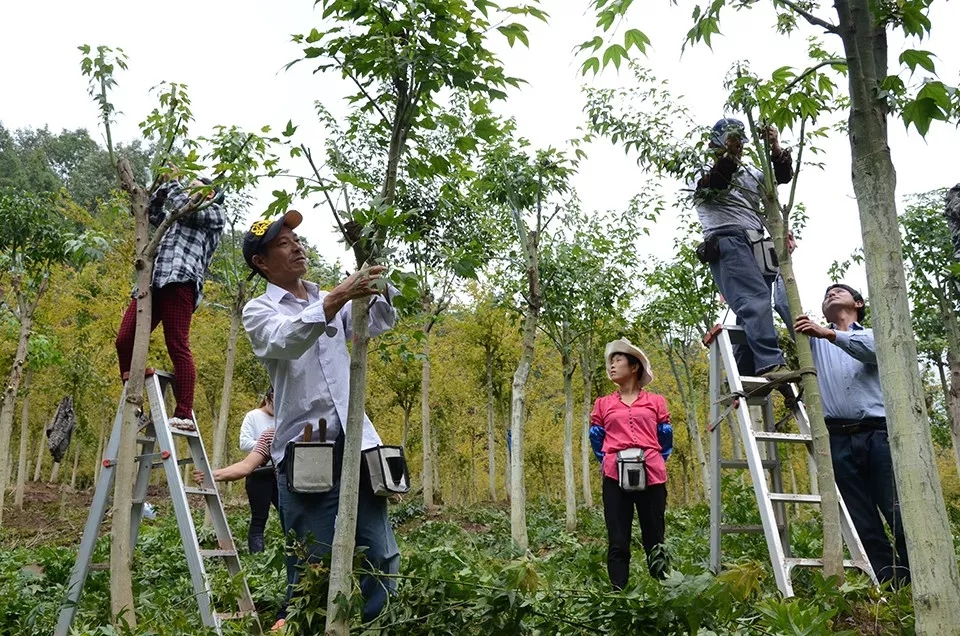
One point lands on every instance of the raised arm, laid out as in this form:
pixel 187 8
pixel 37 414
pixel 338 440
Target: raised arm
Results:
pixel 279 336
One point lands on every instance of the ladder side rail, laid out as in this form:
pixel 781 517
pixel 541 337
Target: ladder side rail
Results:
pixel 716 500
pixel 91 530
pixel 851 537
pixel 144 469
pixel 188 531
pixel 752 452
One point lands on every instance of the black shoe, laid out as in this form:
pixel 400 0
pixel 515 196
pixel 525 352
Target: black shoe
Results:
pixel 255 543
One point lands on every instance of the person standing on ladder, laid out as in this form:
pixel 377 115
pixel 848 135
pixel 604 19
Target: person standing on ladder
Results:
pixel 951 210
pixel 728 202
pixel 181 264
pixel 631 419
pixel 261 483
pixel 300 335
pixel 849 379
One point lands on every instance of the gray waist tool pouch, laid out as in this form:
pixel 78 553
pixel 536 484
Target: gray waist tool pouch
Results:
pixel 309 465
pixel 632 469
pixel 387 468
pixel 765 253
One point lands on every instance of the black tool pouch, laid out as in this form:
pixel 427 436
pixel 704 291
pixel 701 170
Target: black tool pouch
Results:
pixel 387 468
pixel 709 251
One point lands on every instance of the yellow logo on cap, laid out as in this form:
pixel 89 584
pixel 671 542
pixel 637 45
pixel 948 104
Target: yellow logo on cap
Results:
pixel 259 228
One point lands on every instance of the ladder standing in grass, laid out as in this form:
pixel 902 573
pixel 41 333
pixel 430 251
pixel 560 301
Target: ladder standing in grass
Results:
pixel 183 256
pixel 849 379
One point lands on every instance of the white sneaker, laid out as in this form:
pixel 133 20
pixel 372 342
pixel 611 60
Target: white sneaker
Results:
pixel 181 423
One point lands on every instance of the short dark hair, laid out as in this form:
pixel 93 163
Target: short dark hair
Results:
pixel 862 310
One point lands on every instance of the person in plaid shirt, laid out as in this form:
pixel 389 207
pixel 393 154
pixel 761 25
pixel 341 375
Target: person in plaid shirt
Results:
pixel 183 256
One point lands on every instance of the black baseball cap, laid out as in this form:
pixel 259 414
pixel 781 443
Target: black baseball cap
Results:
pixel 262 232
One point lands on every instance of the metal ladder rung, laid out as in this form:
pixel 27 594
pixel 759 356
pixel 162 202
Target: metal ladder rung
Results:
pixel 770 436
pixel 743 464
pixel 180 462
pixel 745 528
pixel 183 433
pixel 207 492
pixel 789 497
pixel 146 440
pixel 232 616
pixel 213 554
pixel 816 563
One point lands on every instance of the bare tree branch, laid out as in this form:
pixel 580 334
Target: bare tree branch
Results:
pixel 809 17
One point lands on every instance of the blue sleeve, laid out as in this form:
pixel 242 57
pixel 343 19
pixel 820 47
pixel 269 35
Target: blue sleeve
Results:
pixel 665 437
pixel 597 435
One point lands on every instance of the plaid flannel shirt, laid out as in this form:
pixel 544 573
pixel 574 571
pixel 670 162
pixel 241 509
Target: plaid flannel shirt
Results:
pixel 187 248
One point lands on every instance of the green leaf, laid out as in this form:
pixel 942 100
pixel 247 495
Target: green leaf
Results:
pixel 635 37
pixel 289 130
pixel 915 57
pixel 614 53
pixel 590 64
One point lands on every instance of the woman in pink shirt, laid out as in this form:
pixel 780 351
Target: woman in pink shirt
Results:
pixel 636 423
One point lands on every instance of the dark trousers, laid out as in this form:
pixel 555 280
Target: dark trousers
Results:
pixel 312 517
pixel 172 305
pixel 864 472
pixel 618 506
pixel 747 292
pixel 261 492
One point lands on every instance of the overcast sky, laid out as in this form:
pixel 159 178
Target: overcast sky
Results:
pixel 231 54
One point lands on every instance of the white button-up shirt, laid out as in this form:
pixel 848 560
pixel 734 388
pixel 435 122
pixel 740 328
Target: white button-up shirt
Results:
pixel 307 360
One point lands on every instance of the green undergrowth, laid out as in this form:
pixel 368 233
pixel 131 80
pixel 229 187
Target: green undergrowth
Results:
pixel 461 575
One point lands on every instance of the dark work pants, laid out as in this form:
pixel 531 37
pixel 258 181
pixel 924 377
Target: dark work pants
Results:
pixel 864 472
pixel 261 492
pixel 618 506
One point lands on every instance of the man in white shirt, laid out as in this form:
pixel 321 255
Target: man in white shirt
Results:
pixel 300 335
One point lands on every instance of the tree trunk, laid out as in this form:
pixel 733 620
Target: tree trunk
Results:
pixel 952 394
pixel 491 422
pixel 121 550
pixel 99 457
pixel 829 499
pixel 936 580
pixel 689 397
pixel 518 502
pixel 344 537
pixel 586 455
pixel 24 438
pixel 570 484
pixel 223 419
pixel 426 475
pixel 735 436
pixel 26 309
pixel 76 462
pixel 37 467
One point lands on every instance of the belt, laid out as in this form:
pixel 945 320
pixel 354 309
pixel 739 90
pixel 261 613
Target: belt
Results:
pixel 837 426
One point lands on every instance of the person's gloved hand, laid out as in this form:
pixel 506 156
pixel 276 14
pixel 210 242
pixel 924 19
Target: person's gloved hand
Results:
pixel 665 438
pixel 597 435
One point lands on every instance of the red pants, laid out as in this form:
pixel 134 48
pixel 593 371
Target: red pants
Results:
pixel 173 306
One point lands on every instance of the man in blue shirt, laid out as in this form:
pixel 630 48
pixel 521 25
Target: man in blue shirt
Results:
pixel 846 361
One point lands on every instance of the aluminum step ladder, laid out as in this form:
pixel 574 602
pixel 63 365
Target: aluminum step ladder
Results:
pixel 158 450
pixel 731 393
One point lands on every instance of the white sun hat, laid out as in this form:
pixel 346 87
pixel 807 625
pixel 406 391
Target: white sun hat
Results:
pixel 625 346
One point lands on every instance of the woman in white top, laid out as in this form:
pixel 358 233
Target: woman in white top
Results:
pixel 261 483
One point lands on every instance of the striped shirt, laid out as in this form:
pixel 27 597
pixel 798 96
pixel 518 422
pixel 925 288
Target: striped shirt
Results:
pixel 263 446
pixel 185 251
